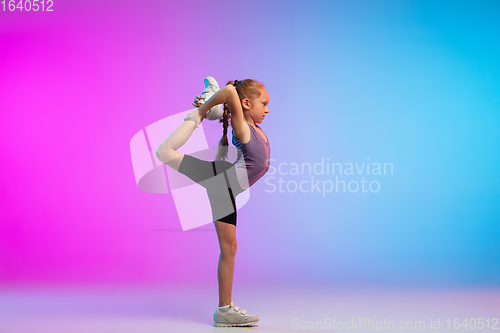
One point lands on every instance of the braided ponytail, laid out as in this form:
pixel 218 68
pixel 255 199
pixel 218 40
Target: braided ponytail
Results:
pixel 246 89
pixel 223 143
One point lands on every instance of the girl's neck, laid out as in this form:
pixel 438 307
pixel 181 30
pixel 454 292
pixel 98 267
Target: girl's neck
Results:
pixel 250 121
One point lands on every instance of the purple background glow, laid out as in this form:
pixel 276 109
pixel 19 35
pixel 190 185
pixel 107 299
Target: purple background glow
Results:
pixel 412 83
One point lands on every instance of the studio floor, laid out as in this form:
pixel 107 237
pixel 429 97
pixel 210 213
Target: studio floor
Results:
pixel 280 308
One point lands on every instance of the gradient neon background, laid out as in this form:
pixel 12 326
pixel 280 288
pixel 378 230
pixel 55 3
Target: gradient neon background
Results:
pixel 412 83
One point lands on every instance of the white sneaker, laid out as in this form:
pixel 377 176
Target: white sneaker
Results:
pixel 233 316
pixel 211 87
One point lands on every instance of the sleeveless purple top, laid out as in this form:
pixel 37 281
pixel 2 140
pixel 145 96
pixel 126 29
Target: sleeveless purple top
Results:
pixel 252 157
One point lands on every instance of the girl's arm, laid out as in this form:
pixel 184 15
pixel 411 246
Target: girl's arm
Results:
pixel 229 96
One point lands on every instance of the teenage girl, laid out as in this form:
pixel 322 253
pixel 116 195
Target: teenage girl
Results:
pixel 245 105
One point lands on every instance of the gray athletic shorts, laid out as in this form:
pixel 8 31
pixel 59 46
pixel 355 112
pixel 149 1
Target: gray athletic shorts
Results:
pixel 219 179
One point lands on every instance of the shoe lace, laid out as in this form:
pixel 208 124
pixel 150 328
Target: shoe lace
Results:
pixel 240 310
pixel 210 89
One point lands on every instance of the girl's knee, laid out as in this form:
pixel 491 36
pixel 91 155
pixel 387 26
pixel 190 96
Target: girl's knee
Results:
pixel 229 249
pixel 169 157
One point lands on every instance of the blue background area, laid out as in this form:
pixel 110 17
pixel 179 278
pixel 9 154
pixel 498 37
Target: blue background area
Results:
pixel 412 83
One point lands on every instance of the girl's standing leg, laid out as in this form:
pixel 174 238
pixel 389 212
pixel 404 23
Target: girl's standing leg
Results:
pixel 226 232
pixel 227 242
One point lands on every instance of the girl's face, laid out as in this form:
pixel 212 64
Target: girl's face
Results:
pixel 258 108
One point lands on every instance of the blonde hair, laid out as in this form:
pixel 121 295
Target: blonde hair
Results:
pixel 248 88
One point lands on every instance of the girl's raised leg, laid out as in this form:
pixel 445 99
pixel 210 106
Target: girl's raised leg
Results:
pixel 167 151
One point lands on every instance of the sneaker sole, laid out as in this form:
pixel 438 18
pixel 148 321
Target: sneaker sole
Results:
pixel 211 80
pixel 231 325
